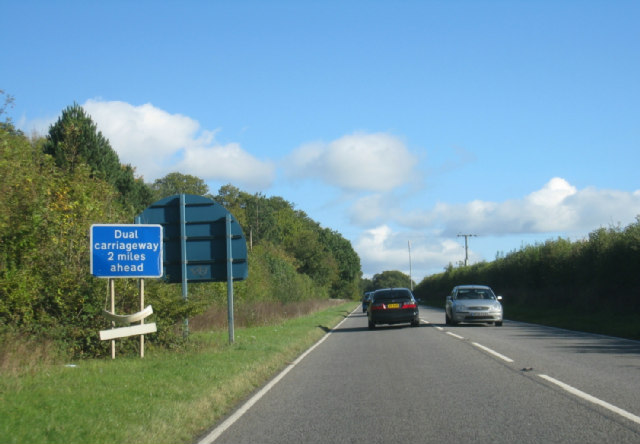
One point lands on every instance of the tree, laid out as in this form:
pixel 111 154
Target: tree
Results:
pixel 8 103
pixel 391 279
pixel 322 254
pixel 74 139
pixel 7 125
pixel 348 262
pixel 236 203
pixel 46 216
pixel 177 183
pixel 135 194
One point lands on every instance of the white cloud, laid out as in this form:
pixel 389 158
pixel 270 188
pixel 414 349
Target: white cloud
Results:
pixel 557 207
pixel 382 249
pixel 594 208
pixel 371 209
pixel 156 143
pixel 36 127
pixel 357 162
pixel 229 162
pixel 552 194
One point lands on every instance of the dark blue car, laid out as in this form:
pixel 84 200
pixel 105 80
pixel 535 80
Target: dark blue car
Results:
pixel 366 300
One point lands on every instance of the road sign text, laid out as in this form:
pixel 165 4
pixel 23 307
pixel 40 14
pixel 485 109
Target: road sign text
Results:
pixel 126 250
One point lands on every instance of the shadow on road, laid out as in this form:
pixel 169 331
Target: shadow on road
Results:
pixel 349 329
pixel 580 342
pixel 365 327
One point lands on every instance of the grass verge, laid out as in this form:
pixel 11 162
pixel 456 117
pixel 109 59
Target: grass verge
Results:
pixel 167 397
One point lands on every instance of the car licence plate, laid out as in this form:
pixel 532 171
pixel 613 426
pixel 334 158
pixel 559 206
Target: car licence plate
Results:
pixel 393 306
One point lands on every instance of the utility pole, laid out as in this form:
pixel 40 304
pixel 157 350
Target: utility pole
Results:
pixel 466 246
pixel 410 280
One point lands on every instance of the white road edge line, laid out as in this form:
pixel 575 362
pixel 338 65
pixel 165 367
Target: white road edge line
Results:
pixel 493 352
pixel 215 433
pixel 454 335
pixel 593 399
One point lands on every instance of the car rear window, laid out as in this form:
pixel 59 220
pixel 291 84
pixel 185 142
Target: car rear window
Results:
pixel 391 294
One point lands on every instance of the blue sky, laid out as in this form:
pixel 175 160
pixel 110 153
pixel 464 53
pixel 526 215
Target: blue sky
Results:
pixel 388 121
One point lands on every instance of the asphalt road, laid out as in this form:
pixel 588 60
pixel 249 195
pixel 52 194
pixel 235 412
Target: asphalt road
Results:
pixel 434 383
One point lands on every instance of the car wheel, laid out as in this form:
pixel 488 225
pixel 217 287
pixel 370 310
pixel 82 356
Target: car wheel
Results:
pixel 498 323
pixel 415 323
pixel 372 325
pixel 447 319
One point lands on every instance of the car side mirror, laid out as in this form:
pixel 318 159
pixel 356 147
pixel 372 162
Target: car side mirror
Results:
pixel 449 298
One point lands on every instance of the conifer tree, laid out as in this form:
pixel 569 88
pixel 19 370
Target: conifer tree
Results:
pixel 74 139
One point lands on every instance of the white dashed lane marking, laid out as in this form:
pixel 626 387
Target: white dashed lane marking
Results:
pixel 574 391
pixel 493 352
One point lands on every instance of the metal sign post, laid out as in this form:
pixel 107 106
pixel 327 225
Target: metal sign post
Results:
pixel 183 258
pixel 203 242
pixel 229 279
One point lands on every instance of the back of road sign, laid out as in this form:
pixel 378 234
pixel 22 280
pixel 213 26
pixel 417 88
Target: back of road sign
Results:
pixel 195 239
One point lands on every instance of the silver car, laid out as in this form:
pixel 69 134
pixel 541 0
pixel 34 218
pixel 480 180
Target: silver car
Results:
pixel 474 304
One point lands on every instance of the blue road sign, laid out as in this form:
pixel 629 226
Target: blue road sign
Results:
pixel 126 251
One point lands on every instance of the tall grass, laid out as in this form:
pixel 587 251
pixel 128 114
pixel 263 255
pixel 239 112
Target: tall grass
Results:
pixel 21 353
pixel 257 313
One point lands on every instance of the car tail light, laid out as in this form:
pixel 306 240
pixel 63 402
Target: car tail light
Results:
pixel 378 306
pixel 409 305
